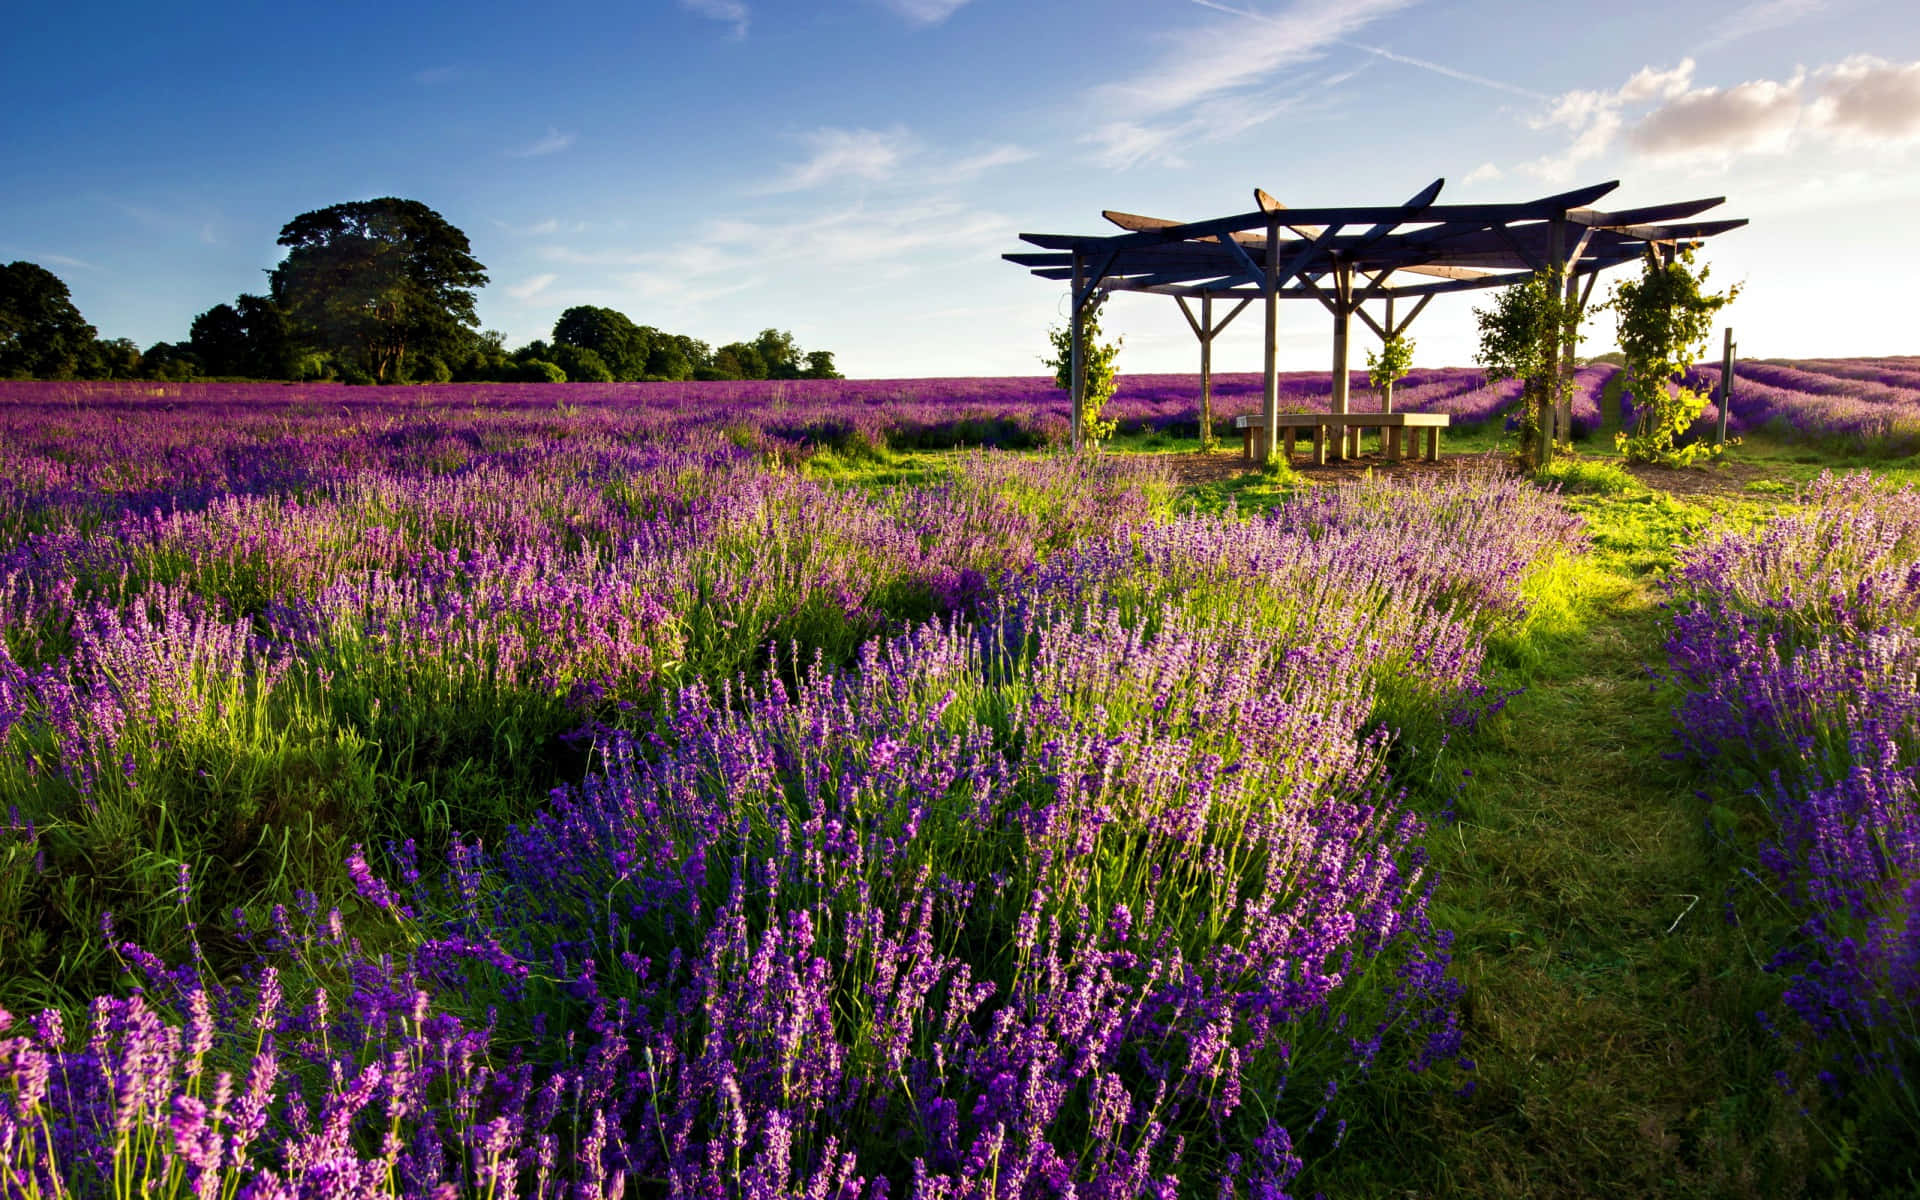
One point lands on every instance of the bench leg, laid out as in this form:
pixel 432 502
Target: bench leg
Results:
pixel 1290 434
pixel 1433 444
pixel 1246 444
pixel 1319 445
pixel 1391 436
pixel 1353 441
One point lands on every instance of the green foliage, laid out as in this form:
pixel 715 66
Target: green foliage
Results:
pixel 1097 369
pixel 374 280
pixel 1582 475
pixel 538 370
pixel 42 335
pixel 582 365
pixel 115 358
pixel 820 366
pixel 1520 337
pixel 1390 365
pixel 621 346
pixel 1665 319
pixel 219 340
pixel 170 361
pixel 735 360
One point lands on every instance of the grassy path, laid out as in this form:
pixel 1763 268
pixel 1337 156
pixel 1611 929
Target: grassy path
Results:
pixel 1609 1002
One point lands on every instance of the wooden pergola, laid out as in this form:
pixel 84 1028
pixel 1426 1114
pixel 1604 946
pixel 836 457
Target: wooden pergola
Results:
pixel 1346 257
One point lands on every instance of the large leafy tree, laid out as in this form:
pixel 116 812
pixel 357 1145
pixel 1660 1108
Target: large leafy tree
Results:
pixel 608 333
pixel 42 334
pixel 374 281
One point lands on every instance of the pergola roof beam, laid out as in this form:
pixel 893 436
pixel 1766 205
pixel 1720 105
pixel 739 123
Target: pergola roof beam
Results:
pixel 1545 208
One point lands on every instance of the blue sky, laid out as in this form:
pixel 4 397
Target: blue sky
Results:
pixel 851 170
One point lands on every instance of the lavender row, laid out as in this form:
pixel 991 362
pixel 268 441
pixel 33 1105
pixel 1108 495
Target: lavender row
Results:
pixel 1798 647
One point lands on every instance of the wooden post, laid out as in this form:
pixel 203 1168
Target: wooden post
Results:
pixel 1342 322
pixel 1270 398
pixel 1386 393
pixel 1547 410
pixel 1338 400
pixel 1206 371
pixel 1726 384
pixel 1078 375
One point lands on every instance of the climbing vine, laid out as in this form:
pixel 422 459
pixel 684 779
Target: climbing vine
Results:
pixel 1665 318
pixel 1521 334
pixel 1101 378
pixel 1390 365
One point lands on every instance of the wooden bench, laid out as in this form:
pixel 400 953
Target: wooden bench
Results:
pixel 1396 430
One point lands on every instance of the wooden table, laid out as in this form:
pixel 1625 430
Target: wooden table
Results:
pixel 1396 430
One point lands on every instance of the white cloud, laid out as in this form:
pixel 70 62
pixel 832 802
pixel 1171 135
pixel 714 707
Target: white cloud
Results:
pixel 925 12
pixel 869 154
pixel 730 12
pixel 553 143
pixel 1484 173
pixel 1660 113
pixel 1758 116
pixel 1869 99
pixel 529 288
pixel 1760 17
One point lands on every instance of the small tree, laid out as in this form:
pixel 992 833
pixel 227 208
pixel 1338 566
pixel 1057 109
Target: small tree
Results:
pixel 1520 338
pixel 1665 319
pixel 1389 367
pixel 1097 368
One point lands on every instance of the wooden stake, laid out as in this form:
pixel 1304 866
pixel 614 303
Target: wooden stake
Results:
pixel 1270 397
pixel 1386 393
pixel 1726 384
pixel 1342 322
pixel 1206 372
pixel 1078 375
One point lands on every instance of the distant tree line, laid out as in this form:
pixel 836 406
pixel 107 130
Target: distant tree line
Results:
pixel 374 291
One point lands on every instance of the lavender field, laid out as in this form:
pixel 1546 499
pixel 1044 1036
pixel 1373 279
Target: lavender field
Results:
pixel 560 791
pixel 540 794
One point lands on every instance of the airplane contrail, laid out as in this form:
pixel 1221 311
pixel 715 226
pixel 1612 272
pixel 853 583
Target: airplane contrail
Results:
pixel 1391 56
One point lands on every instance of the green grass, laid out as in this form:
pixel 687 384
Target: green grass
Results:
pixel 1609 1001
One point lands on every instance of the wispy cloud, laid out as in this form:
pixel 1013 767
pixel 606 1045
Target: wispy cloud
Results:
pixel 1761 17
pixel 969 166
pixel 730 12
pixel 553 143
pixel 1122 144
pixel 1214 81
pixel 1498 85
pixel 867 154
pixel 868 242
pixel 527 289
pixel 61 260
pixel 1486 172
pixel 1222 57
pixel 925 12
